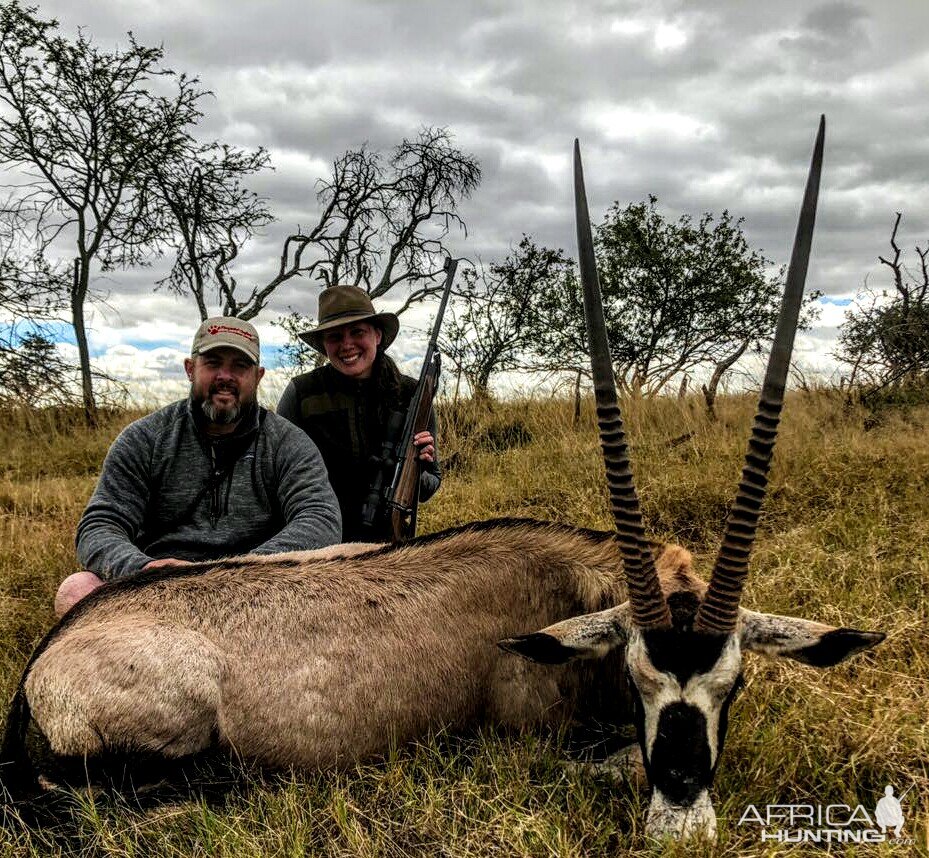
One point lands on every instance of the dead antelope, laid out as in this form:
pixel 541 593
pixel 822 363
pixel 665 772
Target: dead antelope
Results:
pixel 314 660
pixel 296 660
pixel 683 639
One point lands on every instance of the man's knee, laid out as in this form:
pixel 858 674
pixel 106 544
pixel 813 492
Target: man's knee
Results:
pixel 73 589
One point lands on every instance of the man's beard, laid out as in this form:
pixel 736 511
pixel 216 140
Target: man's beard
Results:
pixel 223 416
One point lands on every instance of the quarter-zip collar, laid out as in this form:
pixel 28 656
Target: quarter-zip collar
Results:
pixel 223 451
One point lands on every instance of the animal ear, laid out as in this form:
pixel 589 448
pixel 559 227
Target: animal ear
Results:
pixel 587 636
pixel 803 640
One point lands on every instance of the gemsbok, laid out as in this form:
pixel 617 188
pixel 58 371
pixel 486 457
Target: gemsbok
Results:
pixel 318 659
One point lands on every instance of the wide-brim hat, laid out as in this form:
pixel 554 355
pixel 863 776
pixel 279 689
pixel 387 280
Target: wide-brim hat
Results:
pixel 342 305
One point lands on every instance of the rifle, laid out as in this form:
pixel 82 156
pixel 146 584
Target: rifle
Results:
pixel 398 502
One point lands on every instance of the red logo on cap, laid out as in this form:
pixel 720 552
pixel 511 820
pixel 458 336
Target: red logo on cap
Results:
pixel 226 329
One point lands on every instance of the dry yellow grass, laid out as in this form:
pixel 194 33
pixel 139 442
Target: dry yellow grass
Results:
pixel 845 539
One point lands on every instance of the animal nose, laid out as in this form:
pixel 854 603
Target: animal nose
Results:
pixel 680 755
pixel 669 819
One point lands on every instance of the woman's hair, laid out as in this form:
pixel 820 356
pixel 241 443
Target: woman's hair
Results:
pixel 386 376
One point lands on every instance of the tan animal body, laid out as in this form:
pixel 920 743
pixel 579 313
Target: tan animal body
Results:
pixel 296 660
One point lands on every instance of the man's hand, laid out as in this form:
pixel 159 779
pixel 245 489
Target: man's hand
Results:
pixel 163 562
pixel 426 444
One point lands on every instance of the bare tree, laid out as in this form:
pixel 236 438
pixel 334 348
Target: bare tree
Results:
pixel 383 224
pixel 382 221
pixel 885 336
pixel 84 124
pixel 210 217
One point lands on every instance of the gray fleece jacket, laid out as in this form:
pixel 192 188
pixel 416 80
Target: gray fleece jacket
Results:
pixel 167 490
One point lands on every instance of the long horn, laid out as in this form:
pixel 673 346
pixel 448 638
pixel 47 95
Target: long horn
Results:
pixel 649 608
pixel 719 610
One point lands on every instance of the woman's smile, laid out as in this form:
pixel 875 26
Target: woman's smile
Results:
pixel 352 348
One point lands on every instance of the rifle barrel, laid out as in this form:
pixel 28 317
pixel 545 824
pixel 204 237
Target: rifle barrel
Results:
pixel 430 367
pixel 451 266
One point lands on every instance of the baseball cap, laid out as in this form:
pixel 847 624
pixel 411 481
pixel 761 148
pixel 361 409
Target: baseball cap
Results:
pixel 226 331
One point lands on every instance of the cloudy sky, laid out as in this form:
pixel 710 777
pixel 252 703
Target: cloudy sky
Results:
pixel 709 104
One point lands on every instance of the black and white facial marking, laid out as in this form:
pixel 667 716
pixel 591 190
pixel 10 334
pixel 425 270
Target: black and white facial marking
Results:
pixel 684 684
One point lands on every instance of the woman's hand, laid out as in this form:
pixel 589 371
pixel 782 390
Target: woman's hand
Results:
pixel 426 445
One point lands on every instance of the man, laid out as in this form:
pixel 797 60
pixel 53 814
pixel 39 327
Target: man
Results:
pixel 211 476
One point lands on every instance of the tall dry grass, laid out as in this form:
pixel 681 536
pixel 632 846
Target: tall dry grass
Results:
pixel 845 539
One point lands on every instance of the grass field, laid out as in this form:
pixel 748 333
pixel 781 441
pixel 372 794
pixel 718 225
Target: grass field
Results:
pixel 845 539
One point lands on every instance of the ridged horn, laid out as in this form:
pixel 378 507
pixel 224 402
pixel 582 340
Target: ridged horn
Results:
pixel 720 607
pixel 649 608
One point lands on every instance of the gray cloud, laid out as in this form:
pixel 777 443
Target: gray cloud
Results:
pixel 709 104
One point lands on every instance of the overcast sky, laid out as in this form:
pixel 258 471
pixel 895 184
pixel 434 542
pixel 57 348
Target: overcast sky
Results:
pixel 709 104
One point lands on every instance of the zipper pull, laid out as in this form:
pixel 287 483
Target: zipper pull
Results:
pixel 214 498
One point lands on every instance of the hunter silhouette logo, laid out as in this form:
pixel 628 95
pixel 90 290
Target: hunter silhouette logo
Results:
pixel 227 329
pixel 812 822
pixel 889 813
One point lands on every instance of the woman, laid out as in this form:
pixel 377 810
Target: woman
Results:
pixel 345 405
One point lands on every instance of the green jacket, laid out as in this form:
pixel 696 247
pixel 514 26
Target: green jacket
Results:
pixel 340 414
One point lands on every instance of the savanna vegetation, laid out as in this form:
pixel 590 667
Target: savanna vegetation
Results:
pixel 845 539
pixel 845 536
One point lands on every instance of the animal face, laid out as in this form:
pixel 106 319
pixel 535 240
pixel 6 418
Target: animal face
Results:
pixel 682 706
pixel 684 682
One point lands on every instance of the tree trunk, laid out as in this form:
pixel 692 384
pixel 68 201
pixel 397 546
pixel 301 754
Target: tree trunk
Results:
pixel 577 400
pixel 479 391
pixel 457 387
pixel 480 383
pixel 709 396
pixel 78 293
pixel 709 390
